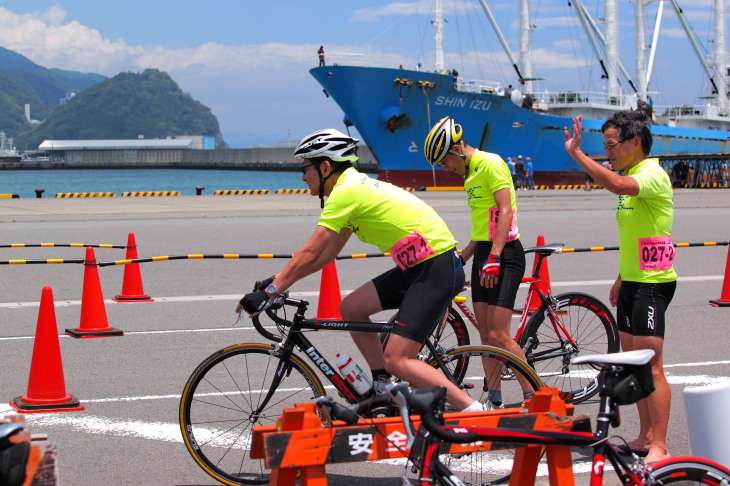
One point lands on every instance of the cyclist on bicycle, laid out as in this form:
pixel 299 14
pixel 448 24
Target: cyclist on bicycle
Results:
pixel 427 276
pixel 647 280
pixel 499 259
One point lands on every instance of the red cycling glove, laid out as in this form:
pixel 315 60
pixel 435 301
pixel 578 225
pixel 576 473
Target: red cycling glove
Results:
pixel 490 269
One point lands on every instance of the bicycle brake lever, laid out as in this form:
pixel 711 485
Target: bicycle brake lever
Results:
pixel 402 403
pixel 238 319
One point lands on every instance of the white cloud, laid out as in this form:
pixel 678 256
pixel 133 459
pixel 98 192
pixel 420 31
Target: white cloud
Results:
pixel 45 39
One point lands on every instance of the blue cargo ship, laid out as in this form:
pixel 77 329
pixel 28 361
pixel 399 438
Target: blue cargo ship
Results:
pixel 393 110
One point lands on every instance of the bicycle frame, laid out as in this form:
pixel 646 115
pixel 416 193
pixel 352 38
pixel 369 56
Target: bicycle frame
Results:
pixel 295 338
pixel 537 288
pixel 629 474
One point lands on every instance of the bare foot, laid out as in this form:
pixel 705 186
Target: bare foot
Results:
pixel 656 454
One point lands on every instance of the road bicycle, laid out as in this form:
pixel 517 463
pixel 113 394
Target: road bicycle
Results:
pixel 625 378
pixel 562 327
pixel 250 384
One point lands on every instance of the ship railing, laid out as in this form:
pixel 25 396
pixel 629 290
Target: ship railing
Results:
pixel 479 86
pixel 708 110
pixel 584 97
pixel 342 59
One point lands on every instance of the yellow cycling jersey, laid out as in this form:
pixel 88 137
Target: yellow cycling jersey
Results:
pixel 488 173
pixel 383 215
pixel 646 251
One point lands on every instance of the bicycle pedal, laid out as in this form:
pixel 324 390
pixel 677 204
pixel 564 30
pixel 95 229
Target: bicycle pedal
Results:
pixel 467 386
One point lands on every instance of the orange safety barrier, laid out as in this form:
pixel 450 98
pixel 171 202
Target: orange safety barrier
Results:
pixel 301 445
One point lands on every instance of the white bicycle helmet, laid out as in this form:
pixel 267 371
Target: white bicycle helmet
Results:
pixel 440 139
pixel 329 143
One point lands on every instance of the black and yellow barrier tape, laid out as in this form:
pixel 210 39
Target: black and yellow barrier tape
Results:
pixel 150 193
pixel 86 194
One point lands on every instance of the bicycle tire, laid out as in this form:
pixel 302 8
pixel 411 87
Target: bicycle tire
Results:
pixel 488 467
pixel 217 401
pixel 593 328
pixel 690 470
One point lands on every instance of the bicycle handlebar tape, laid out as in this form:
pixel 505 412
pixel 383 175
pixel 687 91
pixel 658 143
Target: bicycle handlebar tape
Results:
pixel 132 290
pixel 46 385
pixel 93 314
pixel 328 307
pixel 724 300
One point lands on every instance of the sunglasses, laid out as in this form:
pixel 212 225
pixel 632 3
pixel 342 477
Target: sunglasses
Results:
pixel 305 167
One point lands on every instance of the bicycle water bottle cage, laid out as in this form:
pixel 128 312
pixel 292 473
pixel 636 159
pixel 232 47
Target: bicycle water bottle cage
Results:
pixel 627 385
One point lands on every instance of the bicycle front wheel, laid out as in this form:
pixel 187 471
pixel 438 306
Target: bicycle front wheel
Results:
pixel 690 470
pixel 517 379
pixel 577 324
pixel 218 403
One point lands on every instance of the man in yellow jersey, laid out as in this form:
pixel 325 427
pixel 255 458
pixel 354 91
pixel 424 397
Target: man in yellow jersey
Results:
pixel 427 275
pixel 647 280
pixel 499 259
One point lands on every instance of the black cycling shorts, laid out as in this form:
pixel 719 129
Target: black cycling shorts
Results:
pixel 421 293
pixel 511 271
pixel 642 307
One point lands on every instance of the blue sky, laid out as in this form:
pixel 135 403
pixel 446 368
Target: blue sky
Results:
pixel 248 61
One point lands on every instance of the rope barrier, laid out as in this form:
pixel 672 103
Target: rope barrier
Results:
pixel 193 257
pixel 59 245
pixel 198 256
pixel 30 262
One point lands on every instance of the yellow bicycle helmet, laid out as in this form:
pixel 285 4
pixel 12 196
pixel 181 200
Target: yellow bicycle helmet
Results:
pixel 440 139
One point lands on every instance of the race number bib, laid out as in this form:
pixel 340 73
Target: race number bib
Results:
pixel 493 218
pixel 656 253
pixel 411 250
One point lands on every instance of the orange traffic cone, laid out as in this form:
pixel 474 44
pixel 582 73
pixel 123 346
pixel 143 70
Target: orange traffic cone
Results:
pixel 132 290
pixel 46 385
pixel 724 300
pixel 329 294
pixel 93 314
pixel 544 275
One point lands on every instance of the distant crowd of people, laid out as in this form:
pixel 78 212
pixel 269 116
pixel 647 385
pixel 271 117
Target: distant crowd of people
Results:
pixel 522 173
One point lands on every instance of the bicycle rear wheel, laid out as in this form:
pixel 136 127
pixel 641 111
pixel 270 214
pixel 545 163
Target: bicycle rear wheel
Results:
pixel 593 330
pixel 217 404
pixel 488 466
pixel 691 470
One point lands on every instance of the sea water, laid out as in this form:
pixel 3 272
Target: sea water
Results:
pixel 25 182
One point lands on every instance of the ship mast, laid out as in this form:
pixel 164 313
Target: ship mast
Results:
pixel 526 45
pixel 438 37
pixel 720 57
pixel 613 89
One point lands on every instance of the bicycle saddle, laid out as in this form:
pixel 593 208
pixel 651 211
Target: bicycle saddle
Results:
pixel 7 431
pixel 627 358
pixel 547 249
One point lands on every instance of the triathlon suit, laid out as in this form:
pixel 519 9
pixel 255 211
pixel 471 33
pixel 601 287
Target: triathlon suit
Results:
pixel 646 252
pixel 488 174
pixel 428 272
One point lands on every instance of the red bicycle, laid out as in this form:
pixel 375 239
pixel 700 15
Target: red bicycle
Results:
pixel 560 329
pixel 625 378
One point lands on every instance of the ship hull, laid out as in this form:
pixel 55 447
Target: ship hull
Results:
pixel 393 110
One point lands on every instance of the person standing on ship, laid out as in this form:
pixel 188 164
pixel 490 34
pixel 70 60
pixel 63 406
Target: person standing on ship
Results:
pixel 427 275
pixel 320 53
pixel 499 259
pixel 645 285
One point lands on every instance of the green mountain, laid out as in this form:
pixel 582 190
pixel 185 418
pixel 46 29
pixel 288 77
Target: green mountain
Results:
pixel 24 82
pixel 125 106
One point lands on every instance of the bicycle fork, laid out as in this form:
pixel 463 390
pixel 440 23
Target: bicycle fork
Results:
pixel 282 369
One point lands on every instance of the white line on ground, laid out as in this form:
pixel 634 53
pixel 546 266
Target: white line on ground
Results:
pixel 235 297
